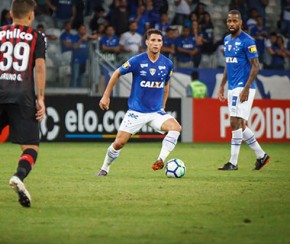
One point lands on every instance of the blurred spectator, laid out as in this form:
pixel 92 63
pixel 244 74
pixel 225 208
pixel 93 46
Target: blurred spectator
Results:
pixel 79 56
pixel 193 4
pixel 259 5
pixel 119 16
pixel 275 52
pixel 142 19
pixel 132 6
pixel 186 49
pixel 198 35
pixel 287 51
pixel 97 35
pixel 168 48
pixel 66 38
pixel 196 88
pixel 252 20
pixel 161 6
pixel 92 5
pixel 182 11
pixel 207 28
pixel 152 14
pixel 176 32
pixel 130 42
pixel 285 18
pixel 278 59
pixel 109 47
pixel 5 17
pixel 98 18
pixel 199 11
pixel 269 43
pixel 241 6
pixel 42 8
pixel 195 30
pixel 109 44
pixel 62 11
pixel 79 15
pixel 163 24
pixel 193 16
pixel 260 34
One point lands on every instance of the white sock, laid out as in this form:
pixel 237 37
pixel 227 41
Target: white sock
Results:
pixel 237 138
pixel 110 157
pixel 250 139
pixel 168 144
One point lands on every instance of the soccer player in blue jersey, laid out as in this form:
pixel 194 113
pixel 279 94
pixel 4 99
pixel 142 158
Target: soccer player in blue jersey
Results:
pixel 151 73
pixel 242 67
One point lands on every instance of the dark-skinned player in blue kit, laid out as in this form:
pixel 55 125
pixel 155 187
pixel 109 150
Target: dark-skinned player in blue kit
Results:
pixel 242 67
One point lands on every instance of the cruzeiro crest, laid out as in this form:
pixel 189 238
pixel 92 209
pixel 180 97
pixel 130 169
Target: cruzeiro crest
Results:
pixel 152 71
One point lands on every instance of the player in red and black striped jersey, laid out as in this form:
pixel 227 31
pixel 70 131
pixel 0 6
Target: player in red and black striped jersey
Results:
pixel 22 68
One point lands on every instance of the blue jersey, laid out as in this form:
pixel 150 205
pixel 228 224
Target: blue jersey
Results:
pixel 66 37
pixel 149 80
pixel 238 53
pixel 187 43
pixel 80 55
pixel 64 9
pixel 109 41
pixel 167 42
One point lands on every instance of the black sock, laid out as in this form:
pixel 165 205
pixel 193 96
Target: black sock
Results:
pixel 26 162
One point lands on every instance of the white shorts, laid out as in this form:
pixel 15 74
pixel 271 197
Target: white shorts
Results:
pixel 134 121
pixel 238 109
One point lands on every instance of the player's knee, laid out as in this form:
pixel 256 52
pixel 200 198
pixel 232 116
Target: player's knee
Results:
pixel 171 125
pixel 176 127
pixel 235 123
pixel 118 144
pixel 179 128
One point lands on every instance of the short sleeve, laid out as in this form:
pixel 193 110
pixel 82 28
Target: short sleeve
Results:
pixel 251 49
pixel 41 45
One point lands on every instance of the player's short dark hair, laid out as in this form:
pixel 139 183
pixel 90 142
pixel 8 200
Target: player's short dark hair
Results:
pixel 194 75
pixel 21 8
pixel 153 31
pixel 40 26
pixel 235 12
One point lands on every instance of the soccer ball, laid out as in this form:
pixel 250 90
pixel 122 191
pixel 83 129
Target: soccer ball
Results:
pixel 175 168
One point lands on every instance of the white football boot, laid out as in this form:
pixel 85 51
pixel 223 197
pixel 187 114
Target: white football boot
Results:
pixel 19 187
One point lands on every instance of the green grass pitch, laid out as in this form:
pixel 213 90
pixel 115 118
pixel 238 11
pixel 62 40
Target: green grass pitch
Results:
pixel 134 204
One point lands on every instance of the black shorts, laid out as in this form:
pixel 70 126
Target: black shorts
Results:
pixel 24 128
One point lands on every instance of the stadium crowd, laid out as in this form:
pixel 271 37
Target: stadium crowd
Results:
pixel 119 27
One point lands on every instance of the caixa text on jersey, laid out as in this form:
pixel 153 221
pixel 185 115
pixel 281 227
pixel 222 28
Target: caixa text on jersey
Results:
pixel 152 84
